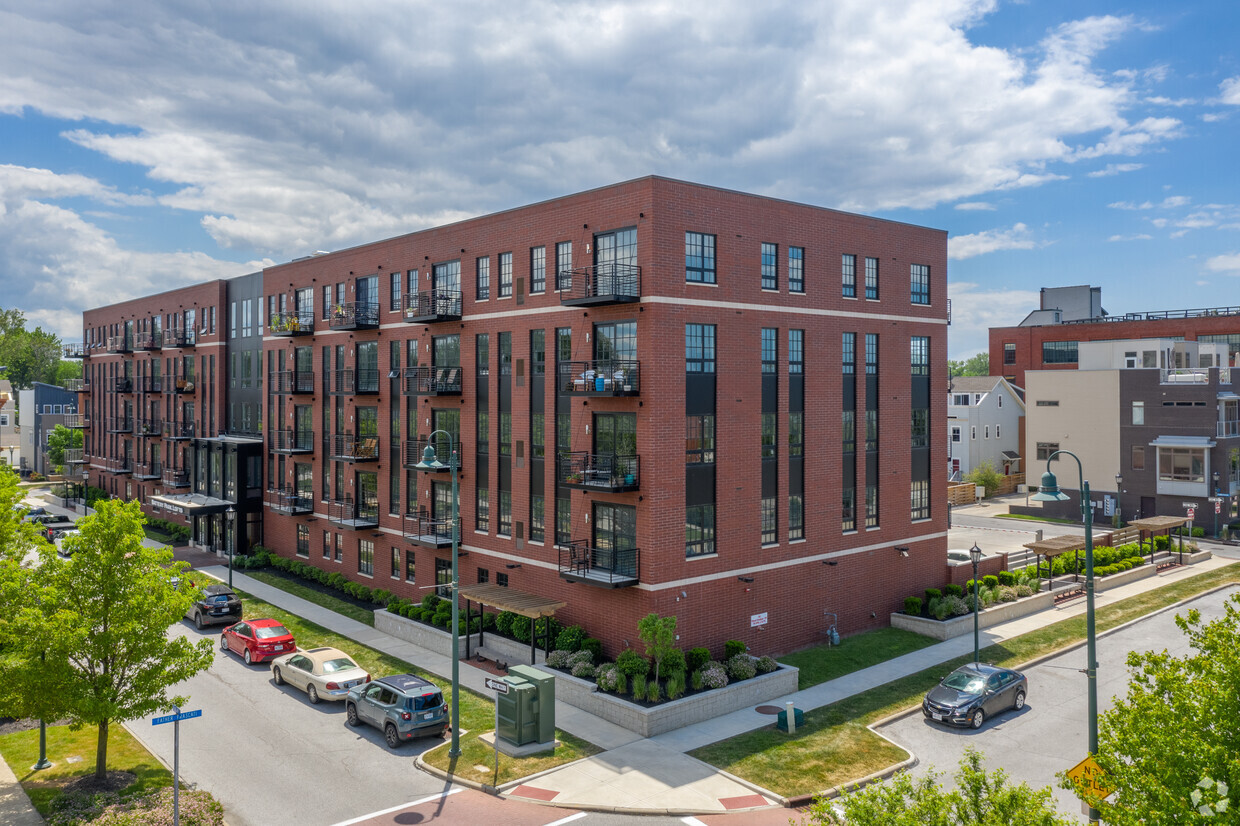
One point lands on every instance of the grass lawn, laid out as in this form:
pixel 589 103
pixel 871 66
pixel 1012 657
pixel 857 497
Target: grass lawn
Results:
pixel 1056 519
pixel 826 662
pixel 21 750
pixel 157 536
pixel 297 589
pixel 833 747
pixel 477 712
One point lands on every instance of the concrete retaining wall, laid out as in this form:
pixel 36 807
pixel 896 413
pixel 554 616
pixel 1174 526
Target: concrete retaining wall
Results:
pixel 440 641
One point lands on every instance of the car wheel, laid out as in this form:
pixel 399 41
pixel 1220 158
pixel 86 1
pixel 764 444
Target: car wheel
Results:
pixel 198 620
pixel 224 644
pixel 248 660
pixel 1020 701
pixel 277 676
pixel 977 718
pixel 312 694
pixel 350 714
pixel 389 734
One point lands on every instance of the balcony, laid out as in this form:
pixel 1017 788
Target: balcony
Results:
pixel 412 452
pixel 601 378
pixel 81 385
pixel 178 430
pixel 346 513
pixel 119 344
pixel 120 384
pixel 432 381
pixel 151 426
pixel 356 315
pixel 349 382
pixel 289 501
pixel 76 421
pixel 148 470
pixel 602 567
pixel 292 324
pixel 76 351
pixel 292 441
pixel 601 284
pixel 603 472
pixel 149 341
pixel 420 529
pixel 178 339
pixel 430 306
pixel 150 384
pixel 352 448
pixel 1229 429
pixel 74 456
pixel 185 385
pixel 120 424
pixel 118 464
pixel 286 382
pixel 75 472
pixel 175 477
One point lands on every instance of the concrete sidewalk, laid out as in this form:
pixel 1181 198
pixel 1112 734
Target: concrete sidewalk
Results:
pixel 15 806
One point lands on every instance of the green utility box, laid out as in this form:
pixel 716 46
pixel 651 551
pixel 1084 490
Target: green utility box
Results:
pixel 544 700
pixel 781 721
pixel 527 711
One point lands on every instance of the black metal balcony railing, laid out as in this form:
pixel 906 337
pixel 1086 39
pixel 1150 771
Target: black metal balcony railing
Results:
pixel 601 284
pixel 178 430
pixel 149 340
pixel 76 351
pixel 185 384
pixel 420 529
pixel 119 344
pixel 606 472
pixel 292 441
pixel 81 385
pixel 292 324
pixel 289 501
pixel 120 424
pixel 148 470
pixel 150 384
pixel 349 514
pixel 601 377
pixel 121 384
pixel 75 472
pixel 175 338
pixel 432 381
pixel 74 456
pixel 118 464
pixel 355 315
pixel 349 381
pixel 152 426
pixel 433 305
pixel 175 477
pixel 75 421
pixel 352 448
pixel 285 382
pixel 413 448
pixel 604 567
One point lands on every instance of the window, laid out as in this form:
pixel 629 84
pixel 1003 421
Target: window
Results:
pixel 395 563
pixel 699 258
pixel 484 576
pixel 1047 403
pixel 1181 464
pixel 796 516
pixel 1045 449
pixel 1138 412
pixel 973 432
pixel 770 266
pixel 501 580
pixel 699 439
pixel 366 557
pixel 340 547
pixel 443 577
pixel 848 512
pixel 796 433
pixel 921 428
pixel 483 269
pixel 327 545
pixel 1009 353
pixel 999 400
pixel 960 399
pixel 1059 352
pixel 699 348
pixel 920 505
pixel 505 274
pixel 848 271
pixel 303 541
pixel 563 521
pixel 538 439
pixel 796 269
pixel 482 353
pixel 537 518
pixel 955 434
pixel 768 435
pixel 538 269
pixel 482 511
pixel 986 432
pixel 871 506
pixel 505 514
pixel 699 530
pixel 538 352
pixel 505 433
pixel 505 354
pixel 1137 460
pixel 871 353
pixel 871 279
pixel 848 344
pixel 871 430
pixel 997 434
pixel 394 300
pixel 768 349
pixel 919 276
pixel 920 354
pixel 796 352
pixel 564 265
pixel 483 419
pixel 850 431
pixel 770 527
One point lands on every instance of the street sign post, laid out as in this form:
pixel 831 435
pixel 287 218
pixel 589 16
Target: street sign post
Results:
pixel 175 718
pixel 499 687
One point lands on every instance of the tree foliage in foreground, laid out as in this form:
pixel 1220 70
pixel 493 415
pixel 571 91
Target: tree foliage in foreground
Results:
pixel 977 365
pixel 61 439
pixel 981 798
pixel 1171 747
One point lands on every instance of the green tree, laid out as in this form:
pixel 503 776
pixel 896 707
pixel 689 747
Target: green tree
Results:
pixel 980 798
pixel 60 439
pixel 102 619
pixel 30 355
pixel 67 369
pixel 659 635
pixel 1172 745
pixel 977 365
pixel 986 476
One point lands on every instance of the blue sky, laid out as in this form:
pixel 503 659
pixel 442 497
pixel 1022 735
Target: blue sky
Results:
pixel 148 145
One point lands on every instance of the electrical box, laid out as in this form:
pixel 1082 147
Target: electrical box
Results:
pixel 544 700
pixel 517 711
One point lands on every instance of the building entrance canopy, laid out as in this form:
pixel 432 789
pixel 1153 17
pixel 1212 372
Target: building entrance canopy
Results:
pixel 191 504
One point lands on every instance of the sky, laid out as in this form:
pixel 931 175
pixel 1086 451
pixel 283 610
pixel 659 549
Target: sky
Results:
pixel 148 145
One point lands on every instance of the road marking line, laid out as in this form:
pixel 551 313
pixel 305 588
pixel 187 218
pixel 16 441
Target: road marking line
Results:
pixel 691 821
pixel 430 799
pixel 568 819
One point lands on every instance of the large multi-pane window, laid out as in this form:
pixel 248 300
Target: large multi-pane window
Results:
pixel 848 512
pixel 564 265
pixel 796 269
pixel 538 269
pixel 871 505
pixel 483 268
pixel 538 352
pixel 770 266
pixel 538 439
pixel 871 430
pixel 796 516
pixel 919 283
pixel 768 435
pixel 700 439
pixel 505 354
pixel 394 299
pixel 1059 352
pixel 484 432
pixel 537 517
pixel 699 348
pixel 395 562
pixel 796 433
pixel 850 431
pixel 504 527
pixel 848 275
pixel 1181 464
pixel 505 274
pixel 871 353
pixel 796 352
pixel 769 353
pixel 770 521
pixel 303 540
pixel 921 427
pixel 919 347
pixel 699 530
pixel 505 433
pixel 1045 450
pixel 482 510
pixel 563 521
pixel 410 566
pixel 871 278
pixel 920 505
pixel 848 349
pixel 1009 353
pixel 366 557
pixel 700 257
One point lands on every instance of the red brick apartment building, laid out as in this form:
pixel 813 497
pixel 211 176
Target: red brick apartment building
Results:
pixel 664 397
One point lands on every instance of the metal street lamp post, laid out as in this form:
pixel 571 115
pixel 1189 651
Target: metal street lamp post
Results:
pixel 1216 506
pixel 230 540
pixel 975 555
pixel 1049 492
pixel 430 462
pixel 1119 494
pixel 43 763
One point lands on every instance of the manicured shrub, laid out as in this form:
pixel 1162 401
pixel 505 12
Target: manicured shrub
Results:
pixel 1007 578
pixel 606 676
pixel 583 670
pixel 766 665
pixel 953 590
pixel 714 675
pixel 380 596
pixel 673 661
pixel 595 646
pixel 956 606
pixel 741 667
pixel 570 638
pixel 695 679
pixel 638 685
pixel 548 628
pixel 696 658
pixel 196 808
pixel 430 600
pixel 939 608
pixel 578 657
pixel 676 686
pixel 1007 593
pixel 933 594
pixel 990 581
pixel 632 664
pixel 1024 591
pixel 521 628
pixel 733 647
pixel 912 606
pixel 558 659
pixel 503 622
pixel 653 693
pixel 488 620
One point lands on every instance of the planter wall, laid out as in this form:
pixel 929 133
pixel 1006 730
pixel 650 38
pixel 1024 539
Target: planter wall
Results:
pixel 440 641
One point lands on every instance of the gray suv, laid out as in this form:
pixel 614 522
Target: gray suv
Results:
pixel 402 707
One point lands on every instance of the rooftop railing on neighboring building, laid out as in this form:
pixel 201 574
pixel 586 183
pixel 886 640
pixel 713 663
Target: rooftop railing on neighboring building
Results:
pixel 1156 315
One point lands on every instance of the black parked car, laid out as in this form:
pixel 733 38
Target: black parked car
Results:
pixel 974 692
pixel 218 604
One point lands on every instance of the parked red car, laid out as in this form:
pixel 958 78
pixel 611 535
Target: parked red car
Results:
pixel 257 640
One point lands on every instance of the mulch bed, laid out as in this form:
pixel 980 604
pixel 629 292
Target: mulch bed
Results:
pixel 111 782
pixel 9 725
pixel 318 587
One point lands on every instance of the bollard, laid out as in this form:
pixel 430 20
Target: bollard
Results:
pixel 792 717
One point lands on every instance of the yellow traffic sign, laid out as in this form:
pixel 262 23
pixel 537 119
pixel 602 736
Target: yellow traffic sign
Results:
pixel 1091 778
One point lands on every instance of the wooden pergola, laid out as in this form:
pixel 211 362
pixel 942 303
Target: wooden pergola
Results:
pixel 1159 525
pixel 1051 548
pixel 509 599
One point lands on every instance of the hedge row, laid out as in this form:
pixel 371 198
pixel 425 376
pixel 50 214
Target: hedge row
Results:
pixel 263 558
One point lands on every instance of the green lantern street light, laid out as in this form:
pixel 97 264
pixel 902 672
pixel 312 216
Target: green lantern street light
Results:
pixel 1049 492
pixel 231 540
pixel 430 462
pixel 975 556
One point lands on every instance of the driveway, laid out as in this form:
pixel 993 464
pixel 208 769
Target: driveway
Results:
pixel 1049 735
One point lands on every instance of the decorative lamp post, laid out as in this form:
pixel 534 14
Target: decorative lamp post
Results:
pixel 1119 494
pixel 43 763
pixel 430 462
pixel 1216 506
pixel 231 540
pixel 975 556
pixel 1049 492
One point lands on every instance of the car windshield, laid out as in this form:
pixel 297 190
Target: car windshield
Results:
pixel 270 631
pixel 964 681
pixel 425 702
pixel 338 664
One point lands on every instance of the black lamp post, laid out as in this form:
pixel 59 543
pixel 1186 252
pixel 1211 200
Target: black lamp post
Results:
pixel 1049 492
pixel 43 763
pixel 1119 493
pixel 975 556
pixel 229 539
pixel 1216 505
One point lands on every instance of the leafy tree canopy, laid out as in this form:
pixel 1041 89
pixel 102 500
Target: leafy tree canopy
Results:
pixel 978 365
pixel 659 635
pixel 986 476
pixel 60 439
pixel 29 355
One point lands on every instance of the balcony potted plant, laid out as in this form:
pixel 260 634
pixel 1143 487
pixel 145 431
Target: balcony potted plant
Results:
pixel 574 478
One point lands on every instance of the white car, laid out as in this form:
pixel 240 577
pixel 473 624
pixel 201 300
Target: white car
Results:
pixel 60 539
pixel 323 673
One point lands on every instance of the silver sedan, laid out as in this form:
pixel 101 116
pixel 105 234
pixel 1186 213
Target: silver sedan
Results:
pixel 323 673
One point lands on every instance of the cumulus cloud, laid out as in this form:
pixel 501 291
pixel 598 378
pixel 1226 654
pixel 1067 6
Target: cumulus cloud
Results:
pixel 960 247
pixel 1115 169
pixel 18 183
pixel 975 309
pixel 1229 91
pixel 1228 264
pixel 973 206
pixel 1170 202
pixel 1138 237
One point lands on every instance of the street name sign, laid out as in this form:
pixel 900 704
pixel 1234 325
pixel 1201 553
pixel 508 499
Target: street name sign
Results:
pixel 172 718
